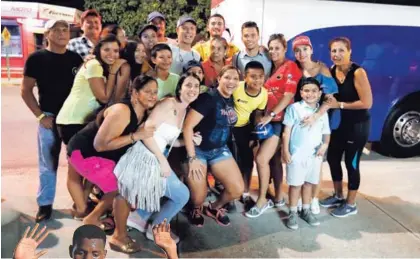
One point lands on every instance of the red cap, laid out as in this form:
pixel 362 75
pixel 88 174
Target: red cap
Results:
pixel 301 40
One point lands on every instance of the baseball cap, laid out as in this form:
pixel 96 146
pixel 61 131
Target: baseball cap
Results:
pixel 90 12
pixel 301 40
pixel 185 18
pixel 263 132
pixel 147 27
pixel 154 15
pixel 191 64
pixel 51 23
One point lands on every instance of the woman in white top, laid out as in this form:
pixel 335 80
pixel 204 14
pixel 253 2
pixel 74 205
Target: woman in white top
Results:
pixel 167 117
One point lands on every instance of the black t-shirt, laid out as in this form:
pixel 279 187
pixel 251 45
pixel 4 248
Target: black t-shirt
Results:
pixel 219 119
pixel 54 74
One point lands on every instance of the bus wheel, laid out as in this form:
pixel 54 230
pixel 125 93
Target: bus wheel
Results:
pixel 401 134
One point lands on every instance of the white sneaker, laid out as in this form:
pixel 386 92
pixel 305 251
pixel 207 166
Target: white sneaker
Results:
pixel 315 206
pixel 149 235
pixel 135 221
pixel 299 205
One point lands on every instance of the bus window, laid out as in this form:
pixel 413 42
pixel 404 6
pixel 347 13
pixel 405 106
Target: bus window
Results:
pixel 15 47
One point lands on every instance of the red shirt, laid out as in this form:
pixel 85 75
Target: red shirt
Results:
pixel 210 73
pixel 285 79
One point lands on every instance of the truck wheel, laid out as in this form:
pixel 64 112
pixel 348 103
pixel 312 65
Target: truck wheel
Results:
pixel 401 134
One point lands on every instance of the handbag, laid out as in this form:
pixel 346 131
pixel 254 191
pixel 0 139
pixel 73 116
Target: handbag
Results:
pixel 139 176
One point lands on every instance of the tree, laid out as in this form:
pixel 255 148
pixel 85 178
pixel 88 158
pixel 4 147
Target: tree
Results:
pixel 132 14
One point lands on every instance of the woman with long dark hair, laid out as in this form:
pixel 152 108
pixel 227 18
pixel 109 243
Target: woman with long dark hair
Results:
pixel 136 56
pixel 354 99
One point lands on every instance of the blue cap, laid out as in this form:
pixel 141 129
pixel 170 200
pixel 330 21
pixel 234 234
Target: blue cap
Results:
pixel 263 132
pixel 185 18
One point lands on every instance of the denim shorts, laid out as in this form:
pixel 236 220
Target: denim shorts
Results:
pixel 277 127
pixel 213 156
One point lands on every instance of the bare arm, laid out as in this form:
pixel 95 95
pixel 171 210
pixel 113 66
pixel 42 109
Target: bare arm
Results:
pixel 27 94
pixel 259 114
pixel 101 91
pixel 364 91
pixel 192 120
pixel 286 141
pixel 284 102
pixel 122 82
pixel 109 137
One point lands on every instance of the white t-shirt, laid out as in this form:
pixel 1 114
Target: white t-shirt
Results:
pixel 181 57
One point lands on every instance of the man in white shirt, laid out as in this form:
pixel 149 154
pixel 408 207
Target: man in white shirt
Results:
pixel 182 52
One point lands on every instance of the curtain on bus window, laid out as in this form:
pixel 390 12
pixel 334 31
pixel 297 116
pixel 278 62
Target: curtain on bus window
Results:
pixel 15 47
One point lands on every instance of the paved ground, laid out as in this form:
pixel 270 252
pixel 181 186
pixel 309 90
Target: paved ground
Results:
pixel 388 223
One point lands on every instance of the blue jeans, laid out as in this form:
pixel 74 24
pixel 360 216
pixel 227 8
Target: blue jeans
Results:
pixel 177 195
pixel 49 147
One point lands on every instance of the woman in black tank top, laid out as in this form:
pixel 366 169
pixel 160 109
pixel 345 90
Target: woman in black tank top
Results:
pixel 95 150
pixel 354 98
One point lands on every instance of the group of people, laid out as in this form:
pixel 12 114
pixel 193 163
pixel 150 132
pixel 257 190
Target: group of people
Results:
pixel 149 118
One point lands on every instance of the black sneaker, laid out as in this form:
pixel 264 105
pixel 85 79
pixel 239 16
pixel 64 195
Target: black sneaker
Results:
pixel 247 201
pixel 218 215
pixel 44 213
pixel 230 207
pixel 196 217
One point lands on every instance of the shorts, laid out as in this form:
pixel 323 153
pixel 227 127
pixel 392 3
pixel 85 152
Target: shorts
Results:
pixel 97 170
pixel 213 156
pixel 277 127
pixel 303 169
pixel 66 132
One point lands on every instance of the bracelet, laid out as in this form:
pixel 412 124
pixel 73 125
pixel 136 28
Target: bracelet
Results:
pixel 40 117
pixel 132 138
pixel 341 105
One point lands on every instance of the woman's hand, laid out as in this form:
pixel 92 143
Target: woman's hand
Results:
pixel 117 65
pixel 28 244
pixel 309 120
pixel 197 138
pixel 165 168
pixel 144 132
pixel 196 169
pixel 333 103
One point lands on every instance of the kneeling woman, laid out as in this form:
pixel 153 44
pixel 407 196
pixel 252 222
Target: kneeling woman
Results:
pixel 213 115
pixel 94 151
pixel 138 182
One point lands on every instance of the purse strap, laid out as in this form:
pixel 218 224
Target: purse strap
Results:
pixel 173 141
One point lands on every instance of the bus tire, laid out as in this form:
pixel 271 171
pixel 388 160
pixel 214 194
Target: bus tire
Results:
pixel 401 133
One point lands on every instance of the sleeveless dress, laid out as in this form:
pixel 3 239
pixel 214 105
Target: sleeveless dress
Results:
pixel 138 172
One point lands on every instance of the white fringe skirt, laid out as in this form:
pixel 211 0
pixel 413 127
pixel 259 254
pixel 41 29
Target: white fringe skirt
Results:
pixel 139 178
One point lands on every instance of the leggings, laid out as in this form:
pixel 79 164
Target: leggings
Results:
pixel 348 139
pixel 241 150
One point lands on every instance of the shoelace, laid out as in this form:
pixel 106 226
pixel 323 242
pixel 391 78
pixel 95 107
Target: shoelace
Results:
pixel 221 212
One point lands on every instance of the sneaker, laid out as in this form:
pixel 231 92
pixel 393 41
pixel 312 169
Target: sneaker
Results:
pixel 247 201
pixel 331 201
pixel 134 221
pixel 149 235
pixel 315 206
pixel 196 217
pixel 218 215
pixel 44 213
pixel 344 210
pixel 230 207
pixel 309 217
pixel 292 221
pixel 279 203
pixel 255 212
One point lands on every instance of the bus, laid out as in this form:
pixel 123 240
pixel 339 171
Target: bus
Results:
pixel 385 42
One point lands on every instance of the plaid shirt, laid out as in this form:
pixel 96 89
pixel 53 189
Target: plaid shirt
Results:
pixel 81 46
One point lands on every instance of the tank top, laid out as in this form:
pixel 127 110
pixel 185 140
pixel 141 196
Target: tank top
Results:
pixel 347 93
pixel 165 135
pixel 84 139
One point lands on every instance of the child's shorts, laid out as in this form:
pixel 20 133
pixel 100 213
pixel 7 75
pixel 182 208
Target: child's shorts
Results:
pixel 303 169
pixel 97 170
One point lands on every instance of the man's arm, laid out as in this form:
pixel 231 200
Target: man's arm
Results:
pixel 26 91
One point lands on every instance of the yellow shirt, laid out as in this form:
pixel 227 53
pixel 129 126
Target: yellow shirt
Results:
pixel 245 104
pixel 204 50
pixel 81 102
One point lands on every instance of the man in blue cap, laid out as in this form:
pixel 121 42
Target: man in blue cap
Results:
pixel 159 21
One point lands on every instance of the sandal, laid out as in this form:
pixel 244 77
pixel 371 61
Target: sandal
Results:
pixel 130 247
pixel 108 225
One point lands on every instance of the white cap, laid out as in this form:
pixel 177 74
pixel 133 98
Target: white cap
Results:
pixel 51 23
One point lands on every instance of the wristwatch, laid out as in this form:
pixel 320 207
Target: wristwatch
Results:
pixel 341 105
pixel 273 114
pixel 191 158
